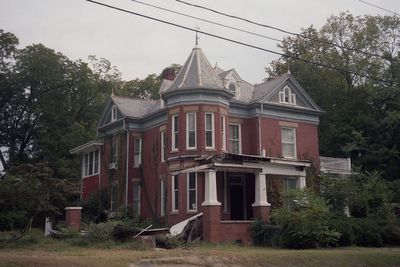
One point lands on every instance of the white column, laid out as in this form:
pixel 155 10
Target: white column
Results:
pixel 260 191
pixel 210 192
pixel 301 182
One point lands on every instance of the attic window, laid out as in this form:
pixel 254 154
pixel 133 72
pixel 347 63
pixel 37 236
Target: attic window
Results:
pixel 234 89
pixel 286 96
pixel 114 112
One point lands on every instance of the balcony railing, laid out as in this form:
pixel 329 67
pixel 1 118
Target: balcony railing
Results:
pixel 335 165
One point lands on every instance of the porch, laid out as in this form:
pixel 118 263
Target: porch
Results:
pixel 236 192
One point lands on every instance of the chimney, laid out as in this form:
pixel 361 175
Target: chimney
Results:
pixel 168 74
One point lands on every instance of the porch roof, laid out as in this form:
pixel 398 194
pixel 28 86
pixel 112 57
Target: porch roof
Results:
pixel 248 163
pixel 86 147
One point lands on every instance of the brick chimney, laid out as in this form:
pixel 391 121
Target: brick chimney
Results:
pixel 168 74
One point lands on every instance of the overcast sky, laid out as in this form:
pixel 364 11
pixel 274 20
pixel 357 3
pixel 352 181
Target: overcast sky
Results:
pixel 138 46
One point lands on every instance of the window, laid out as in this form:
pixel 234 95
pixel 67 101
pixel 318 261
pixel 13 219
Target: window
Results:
pixel 137 152
pixel 162 145
pixel 91 163
pixel 286 96
pixel 289 184
pixel 234 139
pixel 113 201
pixel 234 89
pixel 136 198
pixel 175 135
pixel 175 193
pixel 163 197
pixel 223 133
pixel 209 128
pixel 192 191
pixel 288 142
pixel 114 151
pixel 191 131
pixel 114 113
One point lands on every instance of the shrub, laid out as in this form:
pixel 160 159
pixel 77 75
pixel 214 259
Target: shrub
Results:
pixel 101 231
pixel 95 208
pixel 263 234
pixel 367 232
pixel 304 223
pixel 344 227
pixel 391 234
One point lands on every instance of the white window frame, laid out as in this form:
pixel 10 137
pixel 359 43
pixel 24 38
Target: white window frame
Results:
pixel 223 132
pixel 174 190
pixel 89 168
pixel 162 146
pixel 189 190
pixel 163 198
pixel 136 200
pixel 188 131
pixel 286 96
pixel 294 143
pixel 208 130
pixel 113 198
pixel 240 136
pixel 174 133
pixel 137 153
pixel 114 113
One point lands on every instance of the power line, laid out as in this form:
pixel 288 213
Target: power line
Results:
pixel 237 42
pixel 208 21
pixel 378 7
pixel 279 29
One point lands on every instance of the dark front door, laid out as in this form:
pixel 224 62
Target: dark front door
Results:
pixel 237 200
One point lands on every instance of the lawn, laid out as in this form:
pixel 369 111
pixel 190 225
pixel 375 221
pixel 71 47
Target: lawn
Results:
pixel 60 253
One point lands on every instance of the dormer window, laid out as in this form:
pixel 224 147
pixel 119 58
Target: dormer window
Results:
pixel 234 89
pixel 286 96
pixel 114 113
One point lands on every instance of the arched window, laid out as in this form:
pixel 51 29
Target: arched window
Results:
pixel 234 89
pixel 286 96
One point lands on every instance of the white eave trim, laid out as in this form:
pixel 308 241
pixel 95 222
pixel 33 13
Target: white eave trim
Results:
pixel 86 147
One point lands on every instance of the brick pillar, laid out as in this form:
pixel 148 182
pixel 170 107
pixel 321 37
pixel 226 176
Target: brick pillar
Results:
pixel 261 207
pixel 211 209
pixel 73 217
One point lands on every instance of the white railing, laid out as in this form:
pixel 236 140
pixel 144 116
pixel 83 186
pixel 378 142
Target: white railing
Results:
pixel 335 165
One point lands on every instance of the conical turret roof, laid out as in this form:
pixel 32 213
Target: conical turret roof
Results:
pixel 196 73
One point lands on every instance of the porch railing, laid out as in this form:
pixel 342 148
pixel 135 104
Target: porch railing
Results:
pixel 335 165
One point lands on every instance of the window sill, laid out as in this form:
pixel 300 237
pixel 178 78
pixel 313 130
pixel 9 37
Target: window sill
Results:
pixel 210 149
pixel 174 151
pixel 191 212
pixel 175 212
pixel 91 175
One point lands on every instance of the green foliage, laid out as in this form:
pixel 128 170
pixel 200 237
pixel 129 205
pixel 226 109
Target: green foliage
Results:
pixel 345 228
pixel 101 231
pixel 263 234
pixel 95 209
pixel 304 223
pixel 31 191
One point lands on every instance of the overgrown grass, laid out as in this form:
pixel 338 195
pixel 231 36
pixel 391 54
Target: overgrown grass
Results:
pixel 51 252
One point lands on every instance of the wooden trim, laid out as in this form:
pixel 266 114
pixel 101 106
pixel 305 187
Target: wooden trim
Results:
pixel 190 109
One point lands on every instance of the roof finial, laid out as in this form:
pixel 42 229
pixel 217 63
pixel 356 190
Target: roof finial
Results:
pixel 197 36
pixel 288 68
pixel 112 91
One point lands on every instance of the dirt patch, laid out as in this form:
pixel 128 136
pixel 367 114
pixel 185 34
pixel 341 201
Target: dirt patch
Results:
pixel 185 261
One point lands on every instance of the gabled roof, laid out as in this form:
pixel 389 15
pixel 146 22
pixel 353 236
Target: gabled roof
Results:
pixel 196 73
pixel 262 92
pixel 134 107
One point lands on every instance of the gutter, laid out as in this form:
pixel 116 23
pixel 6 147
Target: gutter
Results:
pixel 127 169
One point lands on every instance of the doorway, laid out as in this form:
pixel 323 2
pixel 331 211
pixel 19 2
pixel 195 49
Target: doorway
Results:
pixel 237 197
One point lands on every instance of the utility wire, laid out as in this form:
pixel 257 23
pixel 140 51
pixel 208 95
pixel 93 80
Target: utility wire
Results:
pixel 208 21
pixel 238 42
pixel 378 7
pixel 279 29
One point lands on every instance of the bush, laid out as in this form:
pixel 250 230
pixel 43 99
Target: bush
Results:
pixel 391 234
pixel 101 231
pixel 169 242
pixel 367 232
pixel 94 210
pixel 344 227
pixel 263 234
pixel 304 223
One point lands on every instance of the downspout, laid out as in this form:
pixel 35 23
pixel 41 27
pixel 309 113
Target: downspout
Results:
pixel 127 170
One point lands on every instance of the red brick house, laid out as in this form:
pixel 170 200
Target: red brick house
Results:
pixel 214 144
